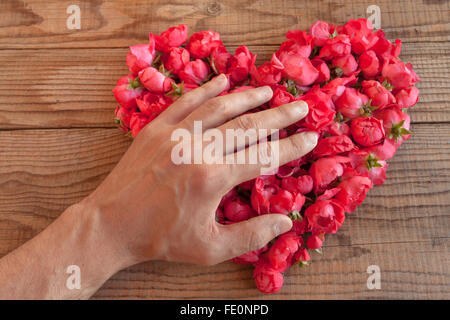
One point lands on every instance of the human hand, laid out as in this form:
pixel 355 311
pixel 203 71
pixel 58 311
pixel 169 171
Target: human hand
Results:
pixel 153 209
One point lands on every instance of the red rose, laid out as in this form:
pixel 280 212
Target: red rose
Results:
pixel 137 122
pixel 367 131
pixel 321 32
pixel 380 97
pixel 314 242
pixel 297 68
pixel 384 49
pixel 265 74
pixel 361 35
pixel 267 279
pixel 336 87
pixel 338 128
pixel 396 123
pixel 240 64
pixel 140 57
pixel 326 170
pixel 369 64
pixel 127 90
pixel 152 104
pixel 194 72
pixel 202 43
pixel 299 42
pixel 285 202
pixel 353 190
pixel 236 210
pixel 336 47
pixel 322 67
pixel 280 96
pixel 384 151
pixel 172 37
pixel 368 164
pixel 302 255
pixel 303 184
pixel 262 191
pixel 155 81
pixel 321 110
pixel 347 64
pixel 175 59
pixel 407 97
pixel 399 74
pixel 219 59
pixel 349 104
pixel 331 146
pixel 325 216
pixel 282 251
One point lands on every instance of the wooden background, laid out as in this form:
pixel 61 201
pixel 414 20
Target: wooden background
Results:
pixel 58 140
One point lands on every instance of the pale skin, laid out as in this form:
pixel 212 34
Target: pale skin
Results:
pixel 148 208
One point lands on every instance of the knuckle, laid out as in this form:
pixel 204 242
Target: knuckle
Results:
pixel 215 105
pixel 256 241
pixel 247 121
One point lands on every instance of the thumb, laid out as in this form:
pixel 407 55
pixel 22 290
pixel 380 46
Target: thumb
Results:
pixel 252 234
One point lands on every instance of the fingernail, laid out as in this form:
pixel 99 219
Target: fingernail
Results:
pixel 266 91
pixel 221 77
pixel 301 107
pixel 283 225
pixel 311 137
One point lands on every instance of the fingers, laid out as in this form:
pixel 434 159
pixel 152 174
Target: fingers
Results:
pixel 250 235
pixel 276 118
pixel 189 101
pixel 270 154
pixel 218 110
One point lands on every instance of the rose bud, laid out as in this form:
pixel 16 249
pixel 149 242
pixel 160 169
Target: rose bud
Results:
pixel 326 170
pixel 336 47
pixel 361 35
pixel 175 59
pixel 322 67
pixel 367 131
pixel 155 81
pixel 302 184
pixel 172 37
pixel 396 123
pixel 267 279
pixel 236 210
pixel 298 68
pixel 321 110
pixel 353 190
pixel 251 257
pixel 350 103
pixel 284 202
pixel 399 74
pixel 219 59
pixel 321 32
pixel 336 87
pixel 332 146
pixel 194 72
pixel 202 43
pixel 347 64
pixel 282 251
pixel 123 117
pixel 369 64
pixel 384 151
pixel 302 255
pixel 368 164
pixel 265 74
pixel 140 56
pixel 338 128
pixel 314 242
pixel 137 122
pixel 325 216
pixel 262 191
pixel 240 64
pixel 407 97
pixel 378 94
pixel 127 90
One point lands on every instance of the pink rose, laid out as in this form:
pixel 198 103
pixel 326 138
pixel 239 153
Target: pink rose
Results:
pixel 380 97
pixel 155 81
pixel 282 251
pixel 137 122
pixel 407 97
pixel 194 72
pixel 267 279
pixel 352 191
pixel 172 37
pixel 368 164
pixel 367 131
pixel 349 104
pixel 240 64
pixel 347 64
pixel 220 59
pixel 321 32
pixel 326 170
pixel 369 64
pixel 202 43
pixel 176 59
pixel 140 57
pixel 325 216
pixel 314 242
pixel 298 68
pixel 127 90
pixel 361 35
pixel 399 74
pixel 336 47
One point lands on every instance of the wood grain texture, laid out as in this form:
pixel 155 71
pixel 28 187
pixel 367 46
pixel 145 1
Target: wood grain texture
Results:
pixel 58 142
pixel 403 226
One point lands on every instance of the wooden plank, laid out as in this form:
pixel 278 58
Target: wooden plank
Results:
pixel 63 88
pixel 403 226
pixel 42 24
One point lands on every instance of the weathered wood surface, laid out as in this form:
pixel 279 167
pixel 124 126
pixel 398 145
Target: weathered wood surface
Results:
pixel 57 140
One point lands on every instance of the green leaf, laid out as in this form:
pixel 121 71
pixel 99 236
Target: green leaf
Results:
pixel 372 162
